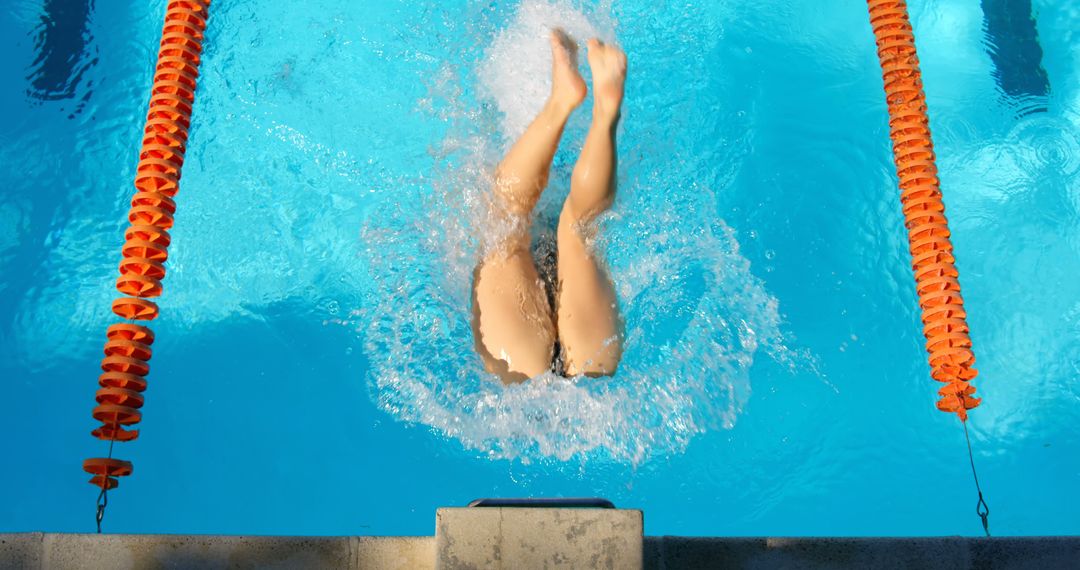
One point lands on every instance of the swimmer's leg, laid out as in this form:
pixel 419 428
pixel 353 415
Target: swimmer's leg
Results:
pixel 523 173
pixel 512 322
pixel 588 317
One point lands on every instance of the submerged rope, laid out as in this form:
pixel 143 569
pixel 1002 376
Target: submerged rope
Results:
pixel 103 496
pixel 981 508
pixel 157 178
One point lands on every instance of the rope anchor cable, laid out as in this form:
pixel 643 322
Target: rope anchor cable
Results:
pixel 161 157
pixel 981 508
pixel 102 502
pixel 936 277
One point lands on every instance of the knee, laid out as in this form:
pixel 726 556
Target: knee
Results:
pixel 518 196
pixel 602 360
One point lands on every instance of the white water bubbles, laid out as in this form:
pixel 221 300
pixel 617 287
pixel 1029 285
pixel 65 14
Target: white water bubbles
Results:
pixel 516 70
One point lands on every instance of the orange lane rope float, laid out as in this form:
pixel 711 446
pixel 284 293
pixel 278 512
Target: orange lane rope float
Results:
pixel 936 277
pixel 145 249
pixel 943 315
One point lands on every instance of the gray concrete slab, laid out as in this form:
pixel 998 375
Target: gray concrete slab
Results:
pixel 118 551
pixel 22 550
pixel 394 553
pixel 515 538
pixel 92 552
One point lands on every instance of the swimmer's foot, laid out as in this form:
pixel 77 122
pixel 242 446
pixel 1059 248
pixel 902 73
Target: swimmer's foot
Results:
pixel 567 87
pixel 608 64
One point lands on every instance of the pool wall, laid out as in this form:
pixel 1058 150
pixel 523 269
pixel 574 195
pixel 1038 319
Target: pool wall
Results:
pixel 64 551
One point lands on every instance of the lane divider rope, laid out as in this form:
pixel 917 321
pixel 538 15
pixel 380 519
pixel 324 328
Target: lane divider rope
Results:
pixel 936 278
pixel 146 241
pixel 937 281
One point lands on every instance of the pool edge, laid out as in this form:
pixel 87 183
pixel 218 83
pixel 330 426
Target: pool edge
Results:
pixel 63 551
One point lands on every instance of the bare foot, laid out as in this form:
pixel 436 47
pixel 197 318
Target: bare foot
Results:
pixel 608 64
pixel 567 87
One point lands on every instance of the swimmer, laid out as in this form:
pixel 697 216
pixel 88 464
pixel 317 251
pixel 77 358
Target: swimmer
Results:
pixel 515 328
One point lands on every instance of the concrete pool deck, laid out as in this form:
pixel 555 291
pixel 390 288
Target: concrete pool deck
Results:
pixel 529 538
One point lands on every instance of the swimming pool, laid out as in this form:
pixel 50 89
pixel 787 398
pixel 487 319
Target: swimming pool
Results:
pixel 313 373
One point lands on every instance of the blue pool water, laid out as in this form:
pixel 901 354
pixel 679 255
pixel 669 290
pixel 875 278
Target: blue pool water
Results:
pixel 313 372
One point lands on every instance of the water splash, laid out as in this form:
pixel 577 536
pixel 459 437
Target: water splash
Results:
pixel 517 65
pixel 695 316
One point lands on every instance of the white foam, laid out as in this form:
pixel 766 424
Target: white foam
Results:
pixel 516 70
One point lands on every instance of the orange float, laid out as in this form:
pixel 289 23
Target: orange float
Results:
pixel 105 470
pixel 145 250
pixel 937 280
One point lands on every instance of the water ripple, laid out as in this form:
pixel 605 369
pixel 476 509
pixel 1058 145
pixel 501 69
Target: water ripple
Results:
pixel 1046 144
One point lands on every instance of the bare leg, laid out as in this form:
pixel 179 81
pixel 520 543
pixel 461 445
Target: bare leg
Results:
pixel 512 322
pixel 588 317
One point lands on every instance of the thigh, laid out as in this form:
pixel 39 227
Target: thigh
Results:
pixel 512 321
pixel 587 312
